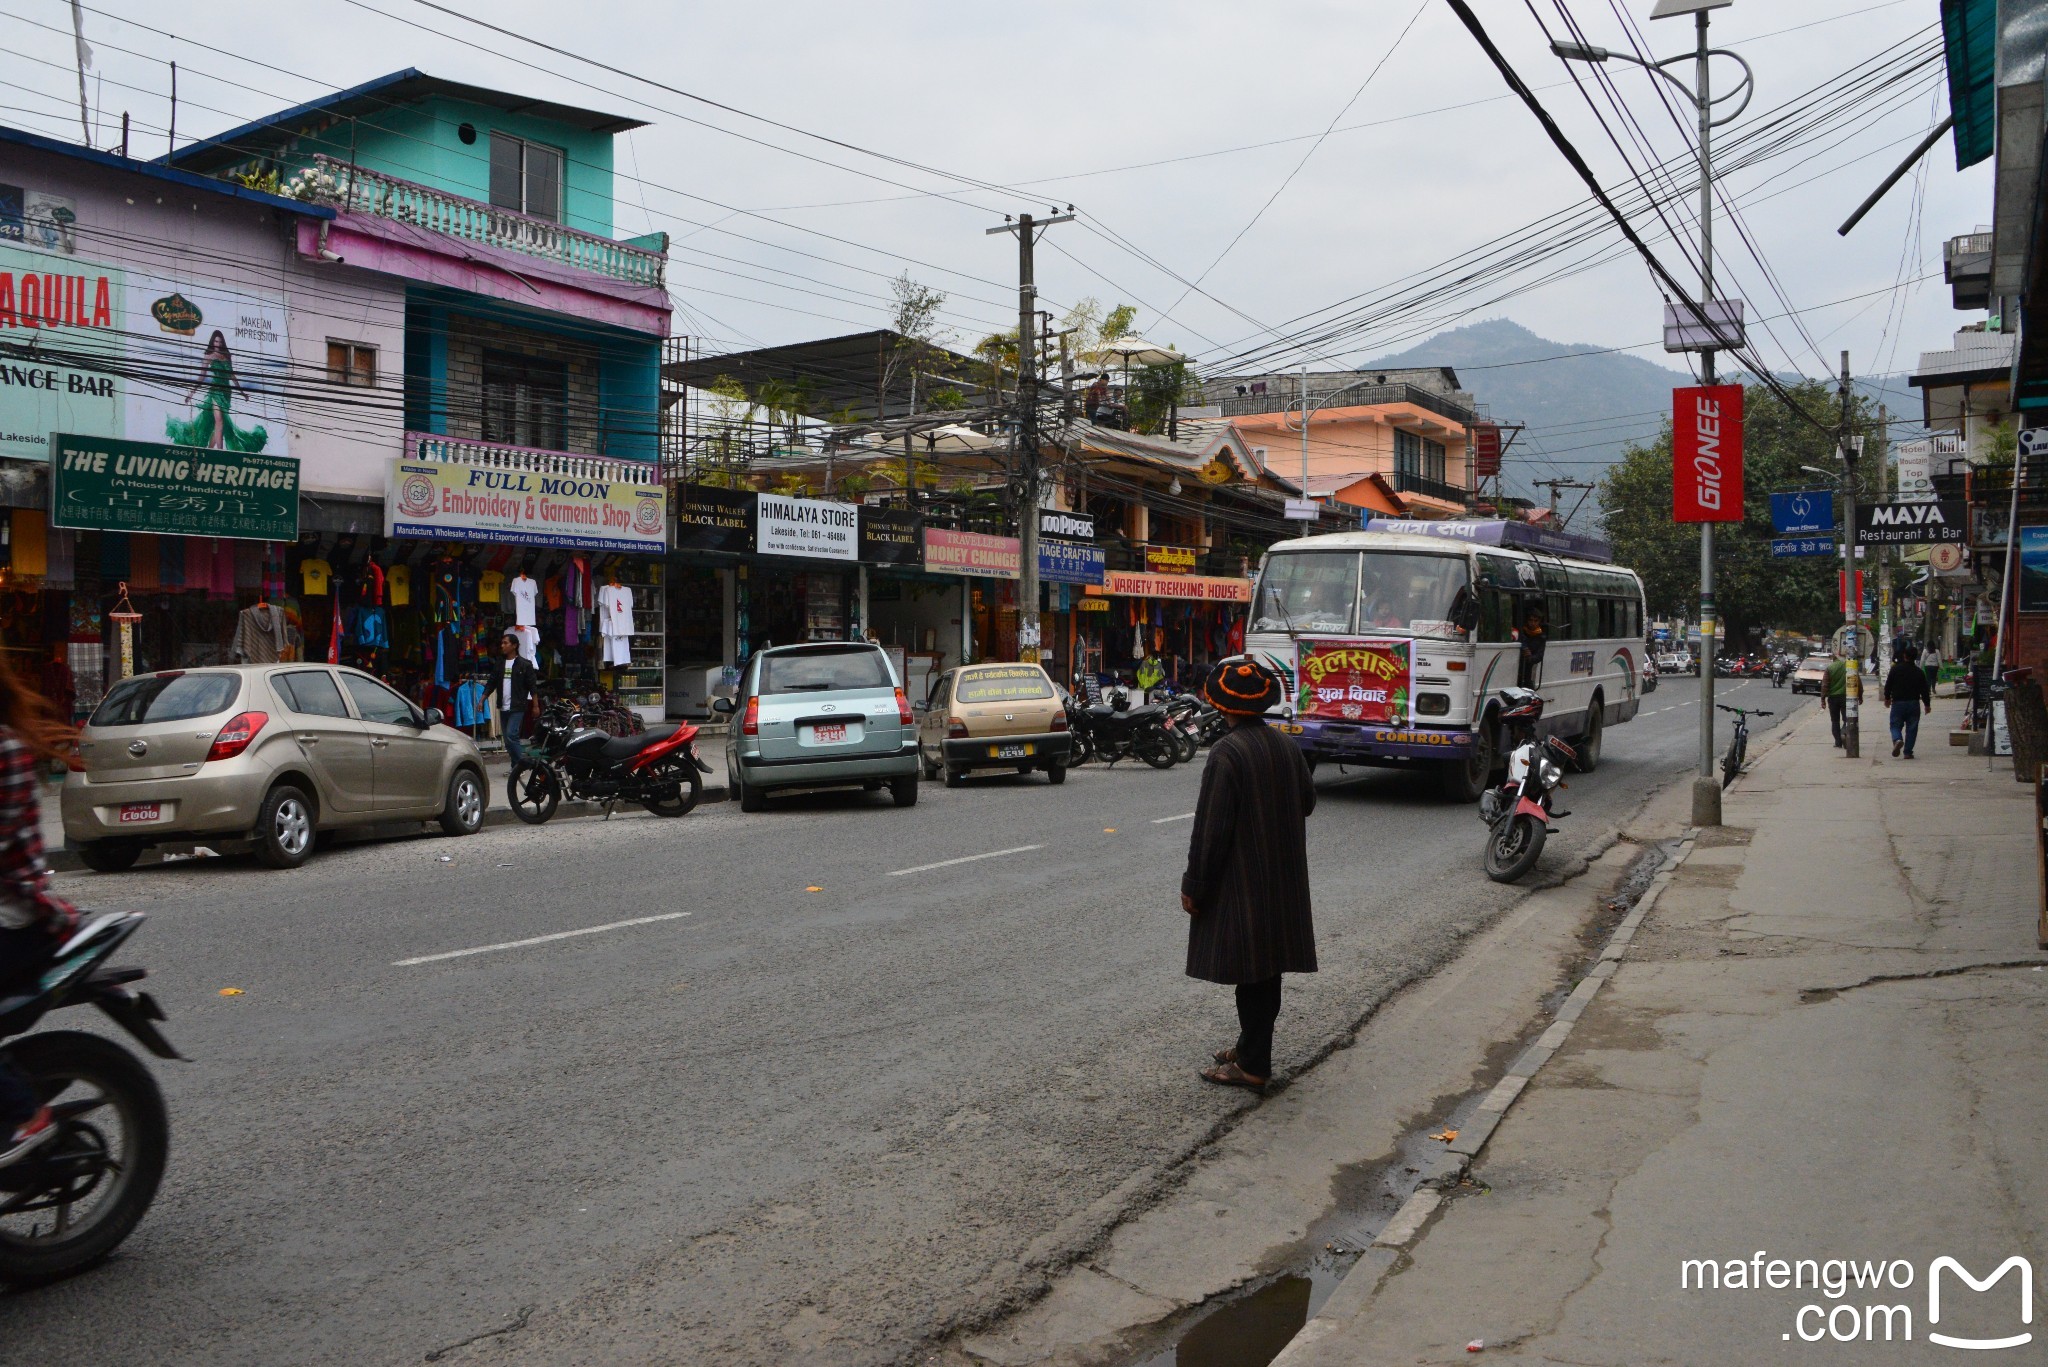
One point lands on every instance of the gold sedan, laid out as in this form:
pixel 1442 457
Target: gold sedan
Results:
pixel 993 716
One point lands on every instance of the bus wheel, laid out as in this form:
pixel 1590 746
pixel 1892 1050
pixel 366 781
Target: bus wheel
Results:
pixel 1464 781
pixel 1588 745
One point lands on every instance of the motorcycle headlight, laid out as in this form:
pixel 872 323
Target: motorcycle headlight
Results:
pixel 1552 774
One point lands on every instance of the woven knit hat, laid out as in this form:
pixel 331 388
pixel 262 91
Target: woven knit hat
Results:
pixel 1242 686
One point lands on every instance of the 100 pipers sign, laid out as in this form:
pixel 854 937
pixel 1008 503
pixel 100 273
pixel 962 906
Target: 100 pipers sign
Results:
pixel 1706 453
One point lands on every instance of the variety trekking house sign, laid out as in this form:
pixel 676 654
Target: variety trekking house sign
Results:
pixel 1361 681
pixel 1706 453
pixel 102 351
pixel 104 484
pixel 451 501
pixel 1902 524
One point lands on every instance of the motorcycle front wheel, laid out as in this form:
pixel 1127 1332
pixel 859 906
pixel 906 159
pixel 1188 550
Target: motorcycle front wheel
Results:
pixel 680 786
pixel 71 1202
pixel 1512 847
pixel 1185 746
pixel 532 791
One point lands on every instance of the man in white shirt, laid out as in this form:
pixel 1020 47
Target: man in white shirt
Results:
pixel 512 680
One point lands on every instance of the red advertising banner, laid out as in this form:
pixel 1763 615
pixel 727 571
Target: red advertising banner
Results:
pixel 1486 449
pixel 1706 453
pixel 1362 681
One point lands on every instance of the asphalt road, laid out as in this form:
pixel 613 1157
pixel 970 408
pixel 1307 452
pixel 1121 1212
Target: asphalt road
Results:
pixel 821 1113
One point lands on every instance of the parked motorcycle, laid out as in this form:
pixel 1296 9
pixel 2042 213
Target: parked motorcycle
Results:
pixel 567 757
pixel 68 1203
pixel 1519 812
pixel 1108 733
pixel 1186 724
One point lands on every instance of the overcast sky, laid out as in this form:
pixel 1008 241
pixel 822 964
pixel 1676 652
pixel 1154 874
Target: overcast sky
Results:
pixel 1428 159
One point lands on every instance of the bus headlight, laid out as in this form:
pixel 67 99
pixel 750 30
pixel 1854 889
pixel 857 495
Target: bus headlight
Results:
pixel 1432 704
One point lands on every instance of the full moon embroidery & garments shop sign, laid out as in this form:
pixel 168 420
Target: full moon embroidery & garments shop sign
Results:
pixel 110 485
pixel 452 501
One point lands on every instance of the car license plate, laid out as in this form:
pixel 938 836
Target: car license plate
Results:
pixel 1008 751
pixel 828 733
pixel 132 812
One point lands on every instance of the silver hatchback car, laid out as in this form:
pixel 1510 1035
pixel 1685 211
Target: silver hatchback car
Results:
pixel 273 754
pixel 826 715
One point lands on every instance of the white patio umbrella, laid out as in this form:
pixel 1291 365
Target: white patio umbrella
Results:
pixel 954 439
pixel 1133 350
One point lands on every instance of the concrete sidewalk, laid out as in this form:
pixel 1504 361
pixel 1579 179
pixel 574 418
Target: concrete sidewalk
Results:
pixel 1824 1040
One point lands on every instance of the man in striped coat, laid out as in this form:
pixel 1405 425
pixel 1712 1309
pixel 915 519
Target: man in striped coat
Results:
pixel 1246 885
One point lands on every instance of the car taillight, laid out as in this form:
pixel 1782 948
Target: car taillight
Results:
pixel 1059 721
pixel 751 724
pixel 903 708
pixel 234 738
pixel 956 730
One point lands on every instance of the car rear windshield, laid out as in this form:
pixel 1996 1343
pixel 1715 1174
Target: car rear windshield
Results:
pixel 166 697
pixel 825 671
pixel 1002 685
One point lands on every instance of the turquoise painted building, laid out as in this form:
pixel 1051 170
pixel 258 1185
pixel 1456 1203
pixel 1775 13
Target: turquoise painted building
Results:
pixel 527 323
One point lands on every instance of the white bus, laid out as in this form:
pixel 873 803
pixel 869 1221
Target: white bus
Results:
pixel 1397 640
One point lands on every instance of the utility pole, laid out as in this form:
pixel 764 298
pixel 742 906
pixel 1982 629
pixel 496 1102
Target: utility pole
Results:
pixel 1029 638
pixel 1706 789
pixel 1852 600
pixel 1556 484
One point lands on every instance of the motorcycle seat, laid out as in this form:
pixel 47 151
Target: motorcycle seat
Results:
pixel 618 749
pixel 1100 710
pixel 1148 710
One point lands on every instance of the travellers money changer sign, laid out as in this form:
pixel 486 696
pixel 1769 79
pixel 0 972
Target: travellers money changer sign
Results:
pixel 1706 453
pixel 1908 524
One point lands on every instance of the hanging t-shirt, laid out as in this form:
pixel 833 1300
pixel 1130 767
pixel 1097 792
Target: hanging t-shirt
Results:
pixel 399 580
pixel 525 592
pixel 489 587
pixel 316 573
pixel 615 610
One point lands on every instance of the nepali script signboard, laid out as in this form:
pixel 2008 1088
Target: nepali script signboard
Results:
pixel 107 484
pixel 451 501
pixel 1354 680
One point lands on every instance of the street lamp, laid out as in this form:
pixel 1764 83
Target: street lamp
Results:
pixel 1706 790
pixel 1307 414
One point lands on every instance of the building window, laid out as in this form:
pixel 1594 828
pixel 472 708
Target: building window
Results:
pixel 1418 456
pixel 526 177
pixel 352 363
pixel 526 401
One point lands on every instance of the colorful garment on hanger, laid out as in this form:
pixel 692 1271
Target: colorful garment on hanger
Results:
pixel 373 584
pixel 469 703
pixel 444 601
pixel 398 579
pixel 490 587
pixel 315 574
pixel 334 640
pixel 577 600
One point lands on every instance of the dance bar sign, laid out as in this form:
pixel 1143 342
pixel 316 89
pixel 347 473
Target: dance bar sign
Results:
pixel 111 485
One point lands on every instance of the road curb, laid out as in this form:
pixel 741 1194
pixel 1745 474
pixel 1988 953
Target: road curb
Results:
pixel 1450 1168
pixel 68 860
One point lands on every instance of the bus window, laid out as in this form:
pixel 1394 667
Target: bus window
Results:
pixel 1558 611
pixel 1496 615
pixel 1307 591
pixel 1409 591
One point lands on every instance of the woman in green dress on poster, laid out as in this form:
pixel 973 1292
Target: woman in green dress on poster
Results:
pixel 210 426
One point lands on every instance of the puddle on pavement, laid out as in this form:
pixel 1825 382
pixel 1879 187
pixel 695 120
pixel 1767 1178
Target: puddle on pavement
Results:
pixel 1250 1326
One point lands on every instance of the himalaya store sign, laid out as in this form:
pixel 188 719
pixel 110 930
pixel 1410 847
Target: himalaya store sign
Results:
pixel 104 484
pixel 451 501
pixel 815 528
pixel 109 352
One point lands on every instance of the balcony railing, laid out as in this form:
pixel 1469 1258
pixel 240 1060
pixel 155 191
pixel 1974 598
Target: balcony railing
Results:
pixel 1279 399
pixel 494 455
pixel 1406 483
pixel 361 191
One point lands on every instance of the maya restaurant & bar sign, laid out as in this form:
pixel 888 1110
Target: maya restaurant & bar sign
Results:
pixel 111 485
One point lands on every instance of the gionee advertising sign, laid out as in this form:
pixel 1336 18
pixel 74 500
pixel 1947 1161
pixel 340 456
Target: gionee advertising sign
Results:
pixel 1706 453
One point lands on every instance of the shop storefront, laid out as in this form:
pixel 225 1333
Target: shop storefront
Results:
pixel 196 539
pixel 1069 564
pixel 986 569
pixel 567 551
pixel 1187 620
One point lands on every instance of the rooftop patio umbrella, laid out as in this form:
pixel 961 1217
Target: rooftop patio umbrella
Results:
pixel 1133 350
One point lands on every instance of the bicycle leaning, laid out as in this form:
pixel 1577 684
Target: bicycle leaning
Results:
pixel 1738 745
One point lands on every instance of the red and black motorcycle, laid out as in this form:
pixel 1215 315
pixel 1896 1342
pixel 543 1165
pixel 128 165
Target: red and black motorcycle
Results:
pixel 1519 812
pixel 566 757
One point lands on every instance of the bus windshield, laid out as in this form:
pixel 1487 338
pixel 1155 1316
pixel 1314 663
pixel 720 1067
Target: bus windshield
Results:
pixel 1308 591
pixel 1409 592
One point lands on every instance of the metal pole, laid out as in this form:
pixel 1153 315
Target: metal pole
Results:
pixel 1027 446
pixel 1852 598
pixel 1706 789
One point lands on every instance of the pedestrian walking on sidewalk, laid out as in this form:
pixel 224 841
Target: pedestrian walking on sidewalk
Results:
pixel 1907 693
pixel 1246 885
pixel 512 679
pixel 1835 688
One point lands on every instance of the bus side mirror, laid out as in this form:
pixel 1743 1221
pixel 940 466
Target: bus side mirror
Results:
pixel 1465 610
